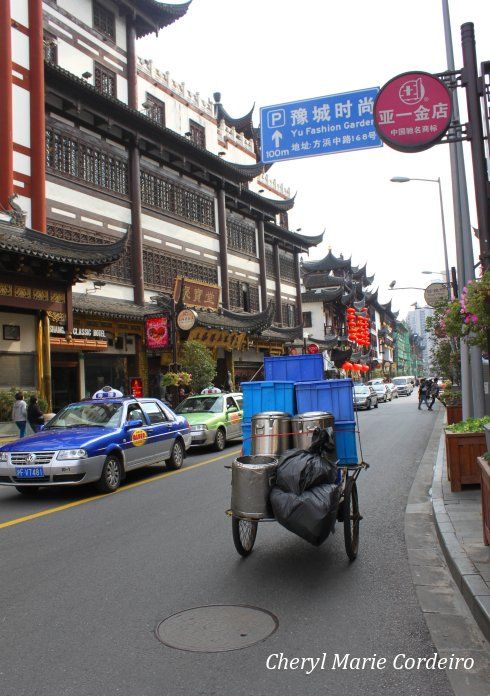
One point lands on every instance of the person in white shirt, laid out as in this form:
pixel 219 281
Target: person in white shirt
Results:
pixel 19 413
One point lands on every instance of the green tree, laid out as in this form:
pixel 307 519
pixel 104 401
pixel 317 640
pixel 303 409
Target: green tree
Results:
pixel 198 360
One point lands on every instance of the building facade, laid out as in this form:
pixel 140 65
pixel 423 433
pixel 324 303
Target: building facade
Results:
pixel 101 145
pixel 416 320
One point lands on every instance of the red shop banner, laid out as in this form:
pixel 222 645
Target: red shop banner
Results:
pixel 157 332
pixel 412 112
pixel 136 387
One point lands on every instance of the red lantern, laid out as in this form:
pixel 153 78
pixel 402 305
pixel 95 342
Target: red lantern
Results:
pixel 364 368
pixel 347 366
pixel 356 367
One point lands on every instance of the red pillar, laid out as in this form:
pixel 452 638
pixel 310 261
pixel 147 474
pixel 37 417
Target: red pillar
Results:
pixel 6 134
pixel 38 128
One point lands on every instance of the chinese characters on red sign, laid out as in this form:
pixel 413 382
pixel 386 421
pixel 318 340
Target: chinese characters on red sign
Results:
pixel 136 387
pixel 157 332
pixel 412 111
pixel 192 293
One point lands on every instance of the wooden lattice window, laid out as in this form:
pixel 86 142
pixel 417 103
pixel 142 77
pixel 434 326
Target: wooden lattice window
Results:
pixel 105 81
pixel 161 269
pixel 269 262
pixel 244 296
pixel 177 199
pixel 198 134
pixel 104 20
pixel 241 235
pixel 155 109
pixel 288 315
pixel 119 270
pixel 307 320
pixel 76 158
pixel 283 220
pixel 50 45
pixel 286 260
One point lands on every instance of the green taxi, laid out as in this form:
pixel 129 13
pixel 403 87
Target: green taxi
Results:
pixel 214 418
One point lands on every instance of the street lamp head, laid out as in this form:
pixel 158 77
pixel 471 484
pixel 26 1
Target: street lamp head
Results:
pixel 392 284
pixel 400 179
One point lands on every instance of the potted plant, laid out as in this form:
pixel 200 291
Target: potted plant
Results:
pixel 465 442
pixel 451 398
pixel 484 466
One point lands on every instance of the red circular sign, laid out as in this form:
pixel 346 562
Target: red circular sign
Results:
pixel 412 111
pixel 312 348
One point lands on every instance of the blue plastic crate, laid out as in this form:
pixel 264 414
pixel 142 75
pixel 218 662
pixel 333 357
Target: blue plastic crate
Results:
pixel 332 395
pixel 300 368
pixel 267 396
pixel 346 442
pixel 247 441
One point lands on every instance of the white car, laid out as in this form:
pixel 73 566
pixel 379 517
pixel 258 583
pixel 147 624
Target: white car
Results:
pixel 404 385
pixel 393 389
pixel 382 392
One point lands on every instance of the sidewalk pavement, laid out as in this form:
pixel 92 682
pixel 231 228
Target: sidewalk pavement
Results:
pixel 458 520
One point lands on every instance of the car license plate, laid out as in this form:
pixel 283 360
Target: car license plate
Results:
pixel 29 471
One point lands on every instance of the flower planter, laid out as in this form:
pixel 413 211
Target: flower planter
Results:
pixel 454 414
pixel 485 498
pixel 462 450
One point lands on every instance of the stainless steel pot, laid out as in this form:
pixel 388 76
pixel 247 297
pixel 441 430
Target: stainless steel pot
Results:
pixel 270 432
pixel 252 478
pixel 304 424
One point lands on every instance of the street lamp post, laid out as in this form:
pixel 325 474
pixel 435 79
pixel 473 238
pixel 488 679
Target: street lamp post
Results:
pixel 404 179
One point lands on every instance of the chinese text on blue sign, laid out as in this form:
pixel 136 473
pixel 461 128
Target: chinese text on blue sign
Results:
pixel 320 126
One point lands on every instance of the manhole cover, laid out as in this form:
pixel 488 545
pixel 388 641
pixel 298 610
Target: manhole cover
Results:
pixel 216 628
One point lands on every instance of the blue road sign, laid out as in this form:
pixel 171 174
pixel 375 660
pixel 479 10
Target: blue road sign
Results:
pixel 320 126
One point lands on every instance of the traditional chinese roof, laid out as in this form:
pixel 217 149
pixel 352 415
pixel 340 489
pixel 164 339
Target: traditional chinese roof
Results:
pixel 151 15
pixel 284 333
pixel 300 241
pixel 97 305
pixel 325 295
pixel 321 280
pixel 243 124
pixel 328 263
pixel 239 322
pixel 177 147
pixel 34 244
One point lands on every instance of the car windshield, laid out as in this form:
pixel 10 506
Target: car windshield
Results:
pixel 400 380
pixel 104 415
pixel 361 390
pixel 201 404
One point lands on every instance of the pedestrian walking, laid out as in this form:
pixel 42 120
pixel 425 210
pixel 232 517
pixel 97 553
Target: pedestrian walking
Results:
pixel 19 413
pixel 35 416
pixel 423 394
pixel 434 392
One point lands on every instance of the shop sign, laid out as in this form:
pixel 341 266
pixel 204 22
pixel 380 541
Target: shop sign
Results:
pixel 312 349
pixel 435 293
pixel 412 112
pixel 55 330
pixel 157 332
pixel 186 319
pixel 193 293
pixel 136 387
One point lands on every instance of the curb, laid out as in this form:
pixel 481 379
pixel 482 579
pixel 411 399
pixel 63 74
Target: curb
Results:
pixel 465 574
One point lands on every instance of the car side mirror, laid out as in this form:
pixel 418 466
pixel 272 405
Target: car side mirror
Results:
pixel 133 424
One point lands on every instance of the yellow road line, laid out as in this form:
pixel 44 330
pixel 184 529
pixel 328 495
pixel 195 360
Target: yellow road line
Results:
pixel 76 503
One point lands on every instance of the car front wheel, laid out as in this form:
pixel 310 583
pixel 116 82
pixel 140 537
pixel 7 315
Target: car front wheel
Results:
pixel 220 440
pixel 177 456
pixel 110 479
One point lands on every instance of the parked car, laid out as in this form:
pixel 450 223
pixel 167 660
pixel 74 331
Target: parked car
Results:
pixel 393 389
pixel 382 392
pixel 214 418
pixel 96 440
pixel 404 385
pixel 364 397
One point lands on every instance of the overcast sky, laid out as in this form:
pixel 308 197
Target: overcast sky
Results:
pixel 274 51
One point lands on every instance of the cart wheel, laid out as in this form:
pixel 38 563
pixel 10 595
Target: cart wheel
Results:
pixel 244 533
pixel 351 518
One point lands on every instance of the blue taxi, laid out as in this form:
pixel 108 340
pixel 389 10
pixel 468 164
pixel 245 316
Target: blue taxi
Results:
pixel 96 440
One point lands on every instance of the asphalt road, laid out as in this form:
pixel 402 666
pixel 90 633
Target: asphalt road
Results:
pixel 84 587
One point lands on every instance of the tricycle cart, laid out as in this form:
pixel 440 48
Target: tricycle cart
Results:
pixel 245 529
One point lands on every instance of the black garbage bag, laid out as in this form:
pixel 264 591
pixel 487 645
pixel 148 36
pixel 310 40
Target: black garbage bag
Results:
pixel 300 470
pixel 311 514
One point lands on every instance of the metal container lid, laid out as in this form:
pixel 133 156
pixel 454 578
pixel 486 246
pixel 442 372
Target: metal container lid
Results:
pixel 275 415
pixel 311 415
pixel 255 460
